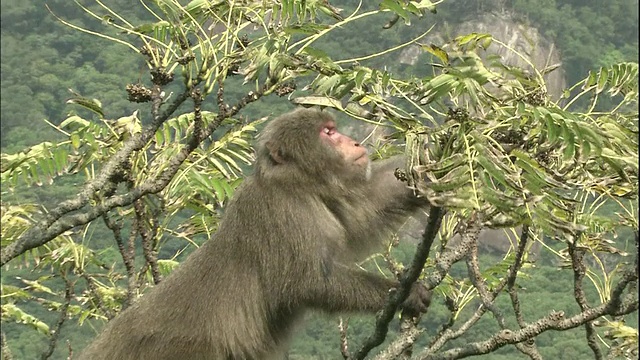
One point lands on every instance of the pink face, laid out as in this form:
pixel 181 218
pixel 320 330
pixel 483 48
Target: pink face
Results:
pixel 351 150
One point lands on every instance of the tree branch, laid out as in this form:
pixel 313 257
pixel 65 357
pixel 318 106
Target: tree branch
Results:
pixel 554 321
pixel 55 223
pixel 406 282
pixel 68 294
pixel 127 254
pixel 579 270
pixel 488 298
pixel 59 220
pixel 6 352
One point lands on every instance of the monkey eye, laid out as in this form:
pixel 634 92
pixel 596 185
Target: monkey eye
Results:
pixel 329 130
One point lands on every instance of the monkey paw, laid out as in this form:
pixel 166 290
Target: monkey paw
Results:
pixel 418 301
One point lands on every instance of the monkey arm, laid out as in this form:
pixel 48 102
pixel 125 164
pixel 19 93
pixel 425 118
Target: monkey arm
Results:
pixel 389 165
pixel 379 206
pixel 393 200
pixel 348 289
pixel 391 190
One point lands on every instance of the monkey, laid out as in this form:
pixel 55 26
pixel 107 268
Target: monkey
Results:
pixel 287 243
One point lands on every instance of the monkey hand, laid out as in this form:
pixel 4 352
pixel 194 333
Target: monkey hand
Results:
pixel 418 300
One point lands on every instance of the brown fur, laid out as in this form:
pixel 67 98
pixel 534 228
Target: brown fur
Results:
pixel 285 245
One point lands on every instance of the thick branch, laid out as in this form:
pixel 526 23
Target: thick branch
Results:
pixel 554 321
pixel 468 246
pixel 54 223
pixel 398 347
pixel 406 282
pixel 62 221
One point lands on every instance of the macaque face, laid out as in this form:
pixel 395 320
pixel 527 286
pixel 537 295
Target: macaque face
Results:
pixel 352 152
pixel 311 143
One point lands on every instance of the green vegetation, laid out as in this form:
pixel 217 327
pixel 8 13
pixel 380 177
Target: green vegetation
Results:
pixel 505 156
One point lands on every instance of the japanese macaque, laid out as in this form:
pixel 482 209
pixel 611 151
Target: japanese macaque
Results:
pixel 287 244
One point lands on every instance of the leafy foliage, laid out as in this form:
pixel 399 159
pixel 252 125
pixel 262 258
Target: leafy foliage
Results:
pixel 483 139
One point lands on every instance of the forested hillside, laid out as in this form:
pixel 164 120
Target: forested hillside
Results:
pixel 72 88
pixel 42 59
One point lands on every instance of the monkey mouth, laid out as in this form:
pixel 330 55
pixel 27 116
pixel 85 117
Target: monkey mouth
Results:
pixel 361 158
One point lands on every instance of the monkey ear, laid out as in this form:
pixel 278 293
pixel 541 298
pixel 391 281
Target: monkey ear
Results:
pixel 274 152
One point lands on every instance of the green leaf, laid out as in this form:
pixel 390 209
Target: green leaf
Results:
pixel 590 81
pixel 603 75
pixel 397 8
pixel 438 87
pixel 12 312
pixel 569 141
pixel 326 84
pixel 495 172
pixel 151 28
pixel 552 129
pixel 218 190
pixel 324 101
pixel 166 266
pixel 425 4
pixel 218 165
pixel 453 180
pixel 437 52
pixel 305 29
pixel 316 53
pixel 74 123
pixel 89 104
pixel 75 140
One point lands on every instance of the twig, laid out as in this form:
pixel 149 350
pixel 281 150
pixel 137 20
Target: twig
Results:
pixel 147 237
pixel 579 270
pixel 344 342
pixel 6 352
pixel 94 292
pixel 529 347
pixel 513 274
pixel 55 333
pixel 128 255
pixel 469 232
pixel 488 298
pixel 70 349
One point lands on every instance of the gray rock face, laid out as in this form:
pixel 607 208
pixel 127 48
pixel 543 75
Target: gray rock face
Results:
pixel 520 37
